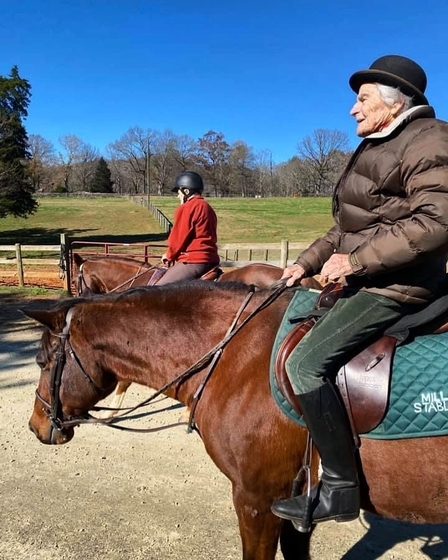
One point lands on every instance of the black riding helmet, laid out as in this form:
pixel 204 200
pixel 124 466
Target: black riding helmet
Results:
pixel 188 180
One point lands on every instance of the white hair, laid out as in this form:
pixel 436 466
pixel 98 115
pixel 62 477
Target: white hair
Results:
pixel 391 95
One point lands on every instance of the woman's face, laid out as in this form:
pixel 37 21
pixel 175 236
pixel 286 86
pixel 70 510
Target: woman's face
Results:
pixel 370 111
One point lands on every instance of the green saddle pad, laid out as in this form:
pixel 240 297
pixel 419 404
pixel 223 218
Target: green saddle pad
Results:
pixel 418 406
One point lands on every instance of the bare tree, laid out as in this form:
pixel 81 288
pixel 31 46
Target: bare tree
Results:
pixel 164 159
pixel 134 150
pixel 85 164
pixel 144 160
pixel 321 153
pixel 292 177
pixel 242 164
pixel 43 157
pixel 67 157
pixel 77 160
pixel 184 151
pixel 125 180
pixel 267 174
pixel 213 155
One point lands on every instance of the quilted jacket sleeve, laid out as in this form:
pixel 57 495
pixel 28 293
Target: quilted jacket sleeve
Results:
pixel 314 257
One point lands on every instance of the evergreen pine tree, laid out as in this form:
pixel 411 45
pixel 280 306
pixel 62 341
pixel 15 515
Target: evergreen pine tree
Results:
pixel 101 182
pixel 16 190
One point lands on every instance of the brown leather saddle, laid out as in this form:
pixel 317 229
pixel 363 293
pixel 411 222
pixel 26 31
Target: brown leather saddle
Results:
pixel 213 274
pixel 364 382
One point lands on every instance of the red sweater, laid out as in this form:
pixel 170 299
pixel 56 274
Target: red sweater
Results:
pixel 193 237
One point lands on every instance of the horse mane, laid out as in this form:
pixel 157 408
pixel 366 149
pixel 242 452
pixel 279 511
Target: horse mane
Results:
pixel 182 287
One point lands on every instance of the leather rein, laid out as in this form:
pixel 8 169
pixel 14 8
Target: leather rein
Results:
pixel 53 409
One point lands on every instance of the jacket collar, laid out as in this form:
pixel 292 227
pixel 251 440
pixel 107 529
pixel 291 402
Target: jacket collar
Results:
pixel 420 111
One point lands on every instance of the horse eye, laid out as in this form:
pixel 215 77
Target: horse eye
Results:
pixel 40 362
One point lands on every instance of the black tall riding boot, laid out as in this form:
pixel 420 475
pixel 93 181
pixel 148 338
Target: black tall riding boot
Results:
pixel 337 494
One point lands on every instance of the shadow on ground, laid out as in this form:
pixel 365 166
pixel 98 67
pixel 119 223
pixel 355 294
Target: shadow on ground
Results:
pixel 17 350
pixel 384 534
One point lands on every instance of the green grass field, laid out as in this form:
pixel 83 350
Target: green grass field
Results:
pixel 120 220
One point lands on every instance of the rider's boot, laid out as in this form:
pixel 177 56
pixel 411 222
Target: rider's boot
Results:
pixel 337 494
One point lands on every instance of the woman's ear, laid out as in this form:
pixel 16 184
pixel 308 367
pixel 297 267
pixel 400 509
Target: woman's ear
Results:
pixel 397 108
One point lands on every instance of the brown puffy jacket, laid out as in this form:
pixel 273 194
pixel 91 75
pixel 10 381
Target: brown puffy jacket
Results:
pixel 391 211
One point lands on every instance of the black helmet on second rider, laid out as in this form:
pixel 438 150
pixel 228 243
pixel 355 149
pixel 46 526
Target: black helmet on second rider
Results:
pixel 188 180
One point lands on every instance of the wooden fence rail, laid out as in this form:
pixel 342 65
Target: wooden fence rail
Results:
pixel 18 249
pixel 279 254
pixel 232 255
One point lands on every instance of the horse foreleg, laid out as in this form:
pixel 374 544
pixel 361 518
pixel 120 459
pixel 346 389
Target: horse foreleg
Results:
pixel 117 399
pixel 260 531
pixel 259 528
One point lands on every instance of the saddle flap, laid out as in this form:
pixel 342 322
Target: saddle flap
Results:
pixel 157 275
pixel 288 344
pixel 212 274
pixel 364 384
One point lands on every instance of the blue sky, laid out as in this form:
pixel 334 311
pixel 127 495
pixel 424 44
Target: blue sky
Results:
pixel 268 73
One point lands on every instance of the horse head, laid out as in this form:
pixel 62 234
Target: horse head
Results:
pixel 66 391
pixel 101 275
pixel 87 281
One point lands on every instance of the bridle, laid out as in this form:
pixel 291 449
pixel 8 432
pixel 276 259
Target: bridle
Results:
pixel 53 409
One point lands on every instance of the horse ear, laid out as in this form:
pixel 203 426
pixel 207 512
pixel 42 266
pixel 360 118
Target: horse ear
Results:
pixel 53 320
pixel 77 259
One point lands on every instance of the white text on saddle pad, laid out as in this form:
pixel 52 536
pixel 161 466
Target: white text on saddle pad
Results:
pixel 431 402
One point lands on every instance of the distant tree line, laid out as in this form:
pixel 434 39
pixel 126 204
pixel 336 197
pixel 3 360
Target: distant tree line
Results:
pixel 147 161
pixel 147 157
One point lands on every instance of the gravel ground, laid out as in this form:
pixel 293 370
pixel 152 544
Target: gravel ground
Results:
pixel 115 495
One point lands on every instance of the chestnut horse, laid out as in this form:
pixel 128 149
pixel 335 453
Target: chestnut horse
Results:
pixel 91 344
pixel 100 275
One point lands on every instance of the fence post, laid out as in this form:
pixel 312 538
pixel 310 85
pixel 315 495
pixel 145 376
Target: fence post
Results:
pixel 65 256
pixel 19 265
pixel 284 248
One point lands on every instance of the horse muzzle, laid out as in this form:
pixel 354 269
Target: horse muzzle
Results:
pixel 49 434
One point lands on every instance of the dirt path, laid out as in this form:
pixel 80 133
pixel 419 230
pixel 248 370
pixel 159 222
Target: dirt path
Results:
pixel 117 496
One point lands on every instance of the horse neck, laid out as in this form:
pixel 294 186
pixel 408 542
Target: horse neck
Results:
pixel 111 273
pixel 152 342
